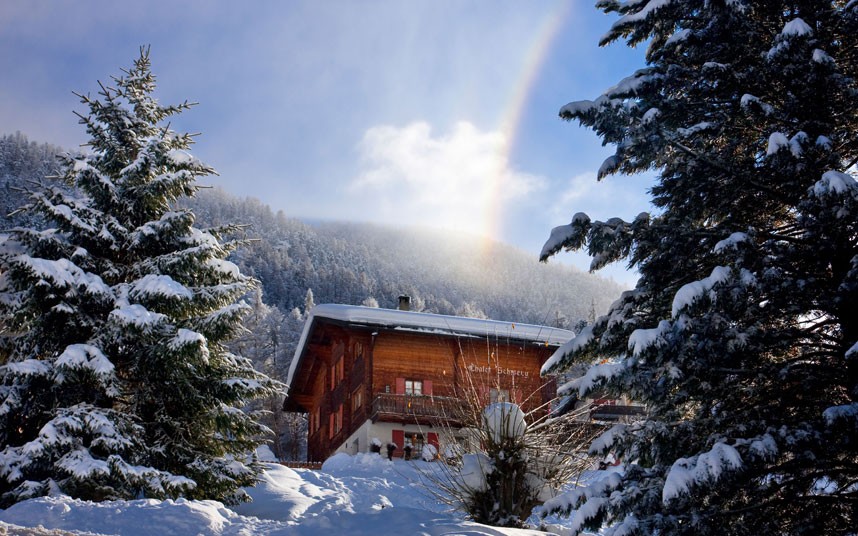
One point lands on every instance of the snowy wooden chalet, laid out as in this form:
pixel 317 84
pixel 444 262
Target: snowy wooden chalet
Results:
pixel 365 374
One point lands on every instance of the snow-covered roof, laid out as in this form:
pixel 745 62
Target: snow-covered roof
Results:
pixel 394 319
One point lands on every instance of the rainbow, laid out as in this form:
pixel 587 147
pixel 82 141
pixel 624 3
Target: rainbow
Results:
pixel 510 119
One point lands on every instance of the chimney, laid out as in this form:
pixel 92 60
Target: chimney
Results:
pixel 404 303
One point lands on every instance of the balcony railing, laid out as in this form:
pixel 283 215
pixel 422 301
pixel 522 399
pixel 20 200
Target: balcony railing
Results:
pixel 616 412
pixel 422 408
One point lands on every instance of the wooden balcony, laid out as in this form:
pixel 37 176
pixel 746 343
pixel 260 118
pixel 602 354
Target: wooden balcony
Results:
pixel 420 409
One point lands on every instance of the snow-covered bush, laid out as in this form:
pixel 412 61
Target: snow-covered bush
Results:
pixel 429 453
pixel 516 461
pixel 504 421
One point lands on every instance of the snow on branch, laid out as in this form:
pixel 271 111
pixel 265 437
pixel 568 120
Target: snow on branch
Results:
pixel 179 157
pixel 85 356
pixel 678 37
pixel 168 222
pixel 65 213
pixel 641 339
pixel 159 285
pixel 651 7
pixel 224 267
pixel 606 441
pixel 764 446
pixel 588 500
pixel 792 30
pixel 751 102
pixel 576 344
pixel 29 367
pixel 777 140
pixel 629 526
pixel 695 128
pixel 82 465
pixel 630 86
pixel 704 468
pixel 820 56
pixel 835 183
pixel 838 413
pixel 581 107
pixel 691 292
pixel 569 236
pixel 796 27
pixel 186 338
pixel 78 357
pixel 596 375
pixel 65 274
pixel 81 167
pixel 136 315
pixel 202 238
pixel 731 242
pixel 608 167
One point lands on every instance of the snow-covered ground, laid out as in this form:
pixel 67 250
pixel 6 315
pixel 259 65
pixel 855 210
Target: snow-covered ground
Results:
pixel 363 495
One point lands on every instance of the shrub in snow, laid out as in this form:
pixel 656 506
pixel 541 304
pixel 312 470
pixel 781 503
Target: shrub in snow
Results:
pixel 512 466
pixel 738 332
pixel 504 420
pixel 391 448
pixel 117 382
pixel 429 453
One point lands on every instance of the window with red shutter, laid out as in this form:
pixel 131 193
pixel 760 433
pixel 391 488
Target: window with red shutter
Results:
pixel 414 387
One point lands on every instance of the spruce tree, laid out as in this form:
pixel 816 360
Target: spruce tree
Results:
pixel 741 335
pixel 118 384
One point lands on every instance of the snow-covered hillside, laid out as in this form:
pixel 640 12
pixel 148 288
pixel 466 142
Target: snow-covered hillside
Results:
pixel 364 495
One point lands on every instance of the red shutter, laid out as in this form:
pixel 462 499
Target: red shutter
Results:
pixel 400 386
pixel 433 439
pixel 399 438
pixel 331 426
pixel 427 387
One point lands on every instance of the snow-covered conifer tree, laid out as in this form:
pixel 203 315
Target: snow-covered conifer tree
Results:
pixel 118 383
pixel 741 335
pixel 309 302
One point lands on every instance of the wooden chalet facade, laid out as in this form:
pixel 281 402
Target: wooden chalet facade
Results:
pixel 399 376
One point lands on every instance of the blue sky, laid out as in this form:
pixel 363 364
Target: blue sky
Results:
pixel 440 113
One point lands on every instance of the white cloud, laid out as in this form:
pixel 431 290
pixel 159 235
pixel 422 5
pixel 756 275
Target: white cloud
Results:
pixel 614 196
pixel 459 180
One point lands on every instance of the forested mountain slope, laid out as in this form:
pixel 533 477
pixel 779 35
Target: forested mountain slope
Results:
pixel 22 161
pixel 351 263
pixel 442 272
